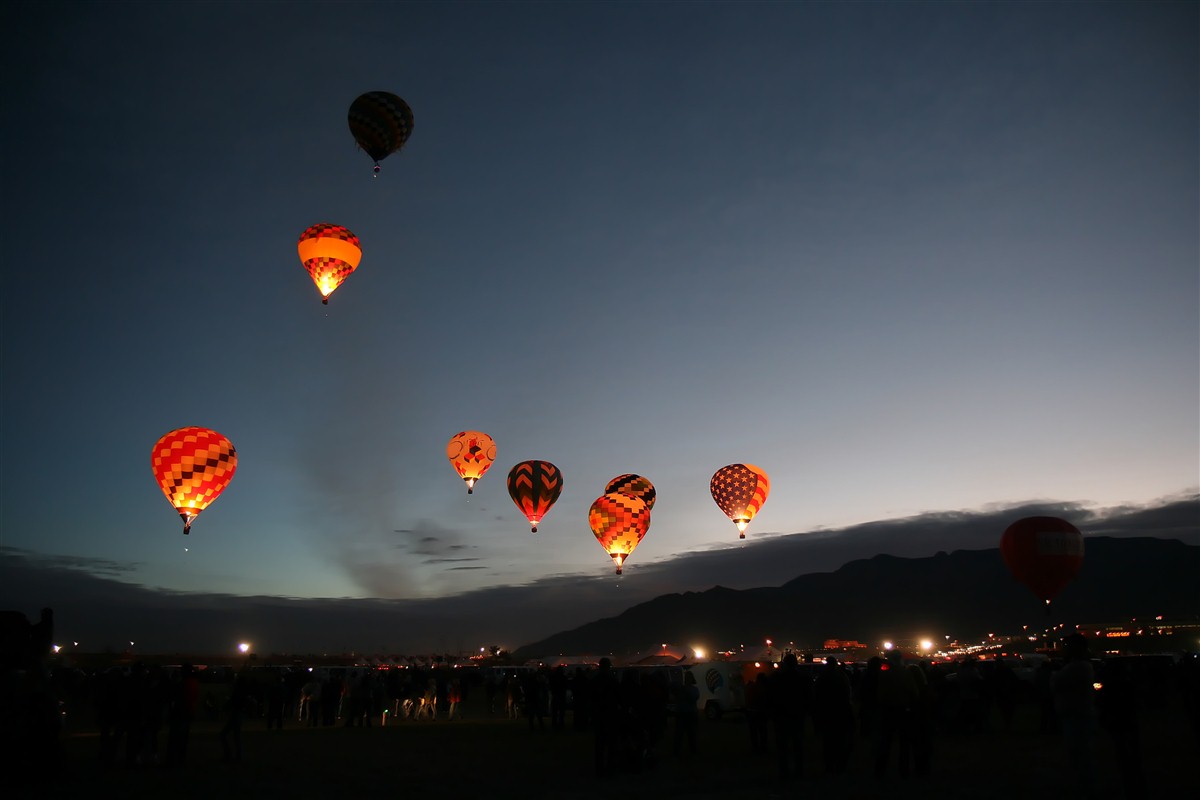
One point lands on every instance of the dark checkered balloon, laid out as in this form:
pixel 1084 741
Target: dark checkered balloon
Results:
pixel 381 123
pixel 634 486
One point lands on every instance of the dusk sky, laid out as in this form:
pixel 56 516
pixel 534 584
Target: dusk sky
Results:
pixel 907 258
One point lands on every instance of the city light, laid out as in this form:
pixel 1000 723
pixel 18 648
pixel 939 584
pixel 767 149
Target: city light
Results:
pixel 926 644
pixel 888 645
pixel 244 647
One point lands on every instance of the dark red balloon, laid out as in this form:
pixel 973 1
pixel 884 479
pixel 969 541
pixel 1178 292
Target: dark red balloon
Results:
pixel 1044 553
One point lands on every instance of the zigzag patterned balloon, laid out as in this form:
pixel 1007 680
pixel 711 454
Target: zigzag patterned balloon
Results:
pixel 534 486
pixel 619 522
pixel 740 491
pixel 193 466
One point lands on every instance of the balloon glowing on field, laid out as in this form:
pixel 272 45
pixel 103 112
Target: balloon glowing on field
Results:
pixel 471 453
pixel 534 486
pixel 330 253
pixel 1044 553
pixel 193 466
pixel 620 522
pixel 740 491
pixel 634 486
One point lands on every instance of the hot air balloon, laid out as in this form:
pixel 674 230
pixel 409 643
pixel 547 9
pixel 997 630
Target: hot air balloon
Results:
pixel 740 490
pixel 329 253
pixel 1044 553
pixel 381 123
pixel 193 466
pixel 620 522
pixel 534 486
pixel 634 486
pixel 471 453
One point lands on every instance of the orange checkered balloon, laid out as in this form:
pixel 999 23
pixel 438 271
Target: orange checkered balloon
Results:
pixel 634 486
pixel 534 486
pixel 740 490
pixel 620 522
pixel 330 253
pixel 471 453
pixel 193 466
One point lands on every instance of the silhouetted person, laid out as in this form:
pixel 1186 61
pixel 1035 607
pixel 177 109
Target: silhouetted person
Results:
pixel 275 698
pixel 833 716
pixel 536 688
pixel 604 696
pixel 971 702
pixel 687 714
pixel 791 697
pixel 1074 705
pixel 1045 696
pixel 581 706
pixel 558 698
pixel 1005 688
pixel 758 713
pixel 231 733
pixel 181 711
pixel 868 696
pixel 1118 707
pixel 897 695
pixel 923 719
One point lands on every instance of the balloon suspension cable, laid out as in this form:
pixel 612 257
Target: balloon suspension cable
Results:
pixel 375 170
pixel 187 521
pixel 1047 609
pixel 533 528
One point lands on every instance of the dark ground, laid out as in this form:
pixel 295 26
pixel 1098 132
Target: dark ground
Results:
pixel 489 756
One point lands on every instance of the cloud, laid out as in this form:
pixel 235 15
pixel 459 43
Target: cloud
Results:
pixel 96 609
pixel 93 566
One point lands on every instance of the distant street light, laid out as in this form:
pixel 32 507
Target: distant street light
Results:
pixel 244 648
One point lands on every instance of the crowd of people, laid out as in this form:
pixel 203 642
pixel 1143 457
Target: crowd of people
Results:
pixel 893 707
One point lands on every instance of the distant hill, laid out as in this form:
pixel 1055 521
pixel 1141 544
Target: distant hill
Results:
pixel 962 593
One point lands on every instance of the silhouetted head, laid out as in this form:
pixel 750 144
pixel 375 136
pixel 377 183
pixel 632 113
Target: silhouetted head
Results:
pixel 790 661
pixel 1075 646
pixel 605 665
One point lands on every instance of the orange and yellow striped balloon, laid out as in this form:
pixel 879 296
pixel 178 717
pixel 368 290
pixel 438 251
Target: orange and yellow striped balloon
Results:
pixel 471 453
pixel 740 490
pixel 620 522
pixel 193 466
pixel 534 486
pixel 330 253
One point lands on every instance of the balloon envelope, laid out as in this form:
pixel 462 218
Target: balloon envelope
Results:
pixel 740 491
pixel 471 453
pixel 634 486
pixel 534 486
pixel 620 522
pixel 330 253
pixel 193 466
pixel 381 123
pixel 1044 553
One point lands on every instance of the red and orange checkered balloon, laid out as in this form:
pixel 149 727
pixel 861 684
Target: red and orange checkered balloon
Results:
pixel 193 466
pixel 330 253
pixel 534 486
pixel 740 491
pixel 471 453
pixel 620 522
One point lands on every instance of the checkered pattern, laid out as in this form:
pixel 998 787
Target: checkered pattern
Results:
pixel 534 486
pixel 634 486
pixel 471 453
pixel 329 271
pixel 619 522
pixel 381 123
pixel 193 466
pixel 740 491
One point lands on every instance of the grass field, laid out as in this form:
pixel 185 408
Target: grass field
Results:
pixel 488 756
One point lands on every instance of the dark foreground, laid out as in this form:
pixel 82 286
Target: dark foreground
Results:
pixel 486 755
